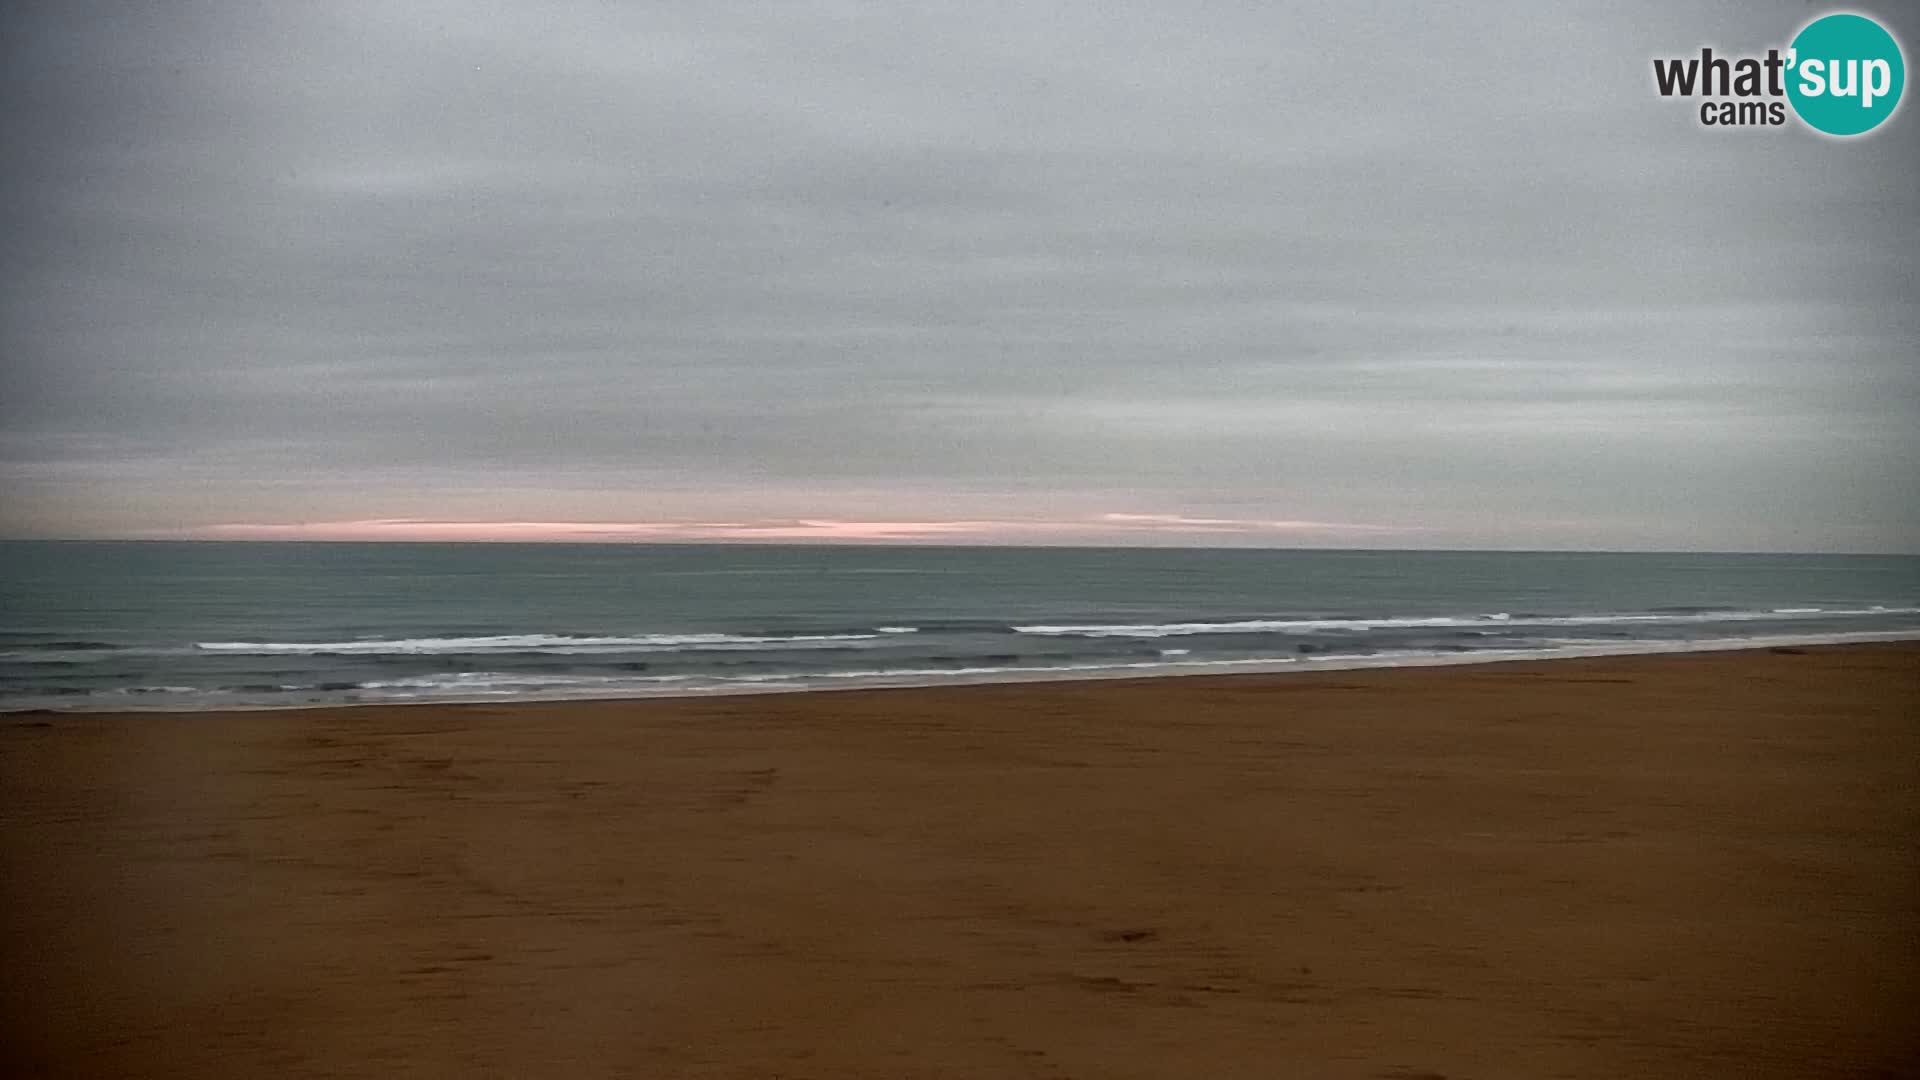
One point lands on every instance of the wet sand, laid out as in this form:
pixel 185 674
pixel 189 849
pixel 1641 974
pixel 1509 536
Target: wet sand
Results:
pixel 1703 865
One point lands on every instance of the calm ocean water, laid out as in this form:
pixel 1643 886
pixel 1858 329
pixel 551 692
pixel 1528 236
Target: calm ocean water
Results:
pixel 184 625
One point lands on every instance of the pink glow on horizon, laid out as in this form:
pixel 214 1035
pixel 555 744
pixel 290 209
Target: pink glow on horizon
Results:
pixel 1104 526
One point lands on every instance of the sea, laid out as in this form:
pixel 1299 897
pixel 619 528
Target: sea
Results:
pixel 199 625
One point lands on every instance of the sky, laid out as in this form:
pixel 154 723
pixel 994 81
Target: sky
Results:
pixel 1248 274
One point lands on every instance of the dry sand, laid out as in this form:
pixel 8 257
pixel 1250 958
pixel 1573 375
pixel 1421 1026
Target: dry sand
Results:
pixel 1697 865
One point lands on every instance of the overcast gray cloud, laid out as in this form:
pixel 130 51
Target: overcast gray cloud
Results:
pixel 1450 275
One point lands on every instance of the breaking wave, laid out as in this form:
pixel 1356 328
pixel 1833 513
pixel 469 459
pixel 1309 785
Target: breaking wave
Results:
pixel 1498 619
pixel 555 643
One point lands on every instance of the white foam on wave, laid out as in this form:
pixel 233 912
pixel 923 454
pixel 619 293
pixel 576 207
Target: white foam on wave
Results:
pixel 1499 618
pixel 673 685
pixel 492 686
pixel 509 682
pixel 552 643
pixel 1248 626
pixel 678 685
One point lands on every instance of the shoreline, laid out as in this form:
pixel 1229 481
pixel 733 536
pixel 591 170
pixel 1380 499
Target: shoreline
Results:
pixel 1144 671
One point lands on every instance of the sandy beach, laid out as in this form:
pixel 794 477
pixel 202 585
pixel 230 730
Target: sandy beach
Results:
pixel 1701 865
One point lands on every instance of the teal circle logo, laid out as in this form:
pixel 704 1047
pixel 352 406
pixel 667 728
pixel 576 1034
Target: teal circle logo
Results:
pixel 1845 74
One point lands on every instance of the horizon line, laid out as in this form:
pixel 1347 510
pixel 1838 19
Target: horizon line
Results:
pixel 944 543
